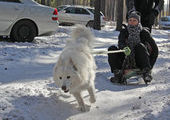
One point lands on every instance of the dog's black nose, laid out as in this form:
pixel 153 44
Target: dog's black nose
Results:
pixel 63 88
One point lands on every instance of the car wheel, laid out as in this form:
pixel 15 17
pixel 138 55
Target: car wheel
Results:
pixel 90 24
pixel 23 31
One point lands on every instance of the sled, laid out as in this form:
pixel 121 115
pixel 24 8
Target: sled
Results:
pixel 132 76
pixel 132 72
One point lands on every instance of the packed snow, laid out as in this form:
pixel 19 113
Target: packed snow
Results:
pixel 28 92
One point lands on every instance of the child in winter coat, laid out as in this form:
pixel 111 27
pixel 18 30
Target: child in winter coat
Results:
pixel 144 50
pixel 149 10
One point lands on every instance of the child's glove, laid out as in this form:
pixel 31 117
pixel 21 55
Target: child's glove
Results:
pixel 127 51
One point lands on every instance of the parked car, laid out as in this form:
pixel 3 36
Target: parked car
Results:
pixel 74 14
pixel 23 20
pixel 164 22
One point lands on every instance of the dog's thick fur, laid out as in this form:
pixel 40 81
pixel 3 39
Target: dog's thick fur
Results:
pixel 75 69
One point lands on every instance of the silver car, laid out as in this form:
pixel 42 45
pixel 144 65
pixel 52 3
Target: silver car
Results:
pixel 23 20
pixel 164 22
pixel 75 14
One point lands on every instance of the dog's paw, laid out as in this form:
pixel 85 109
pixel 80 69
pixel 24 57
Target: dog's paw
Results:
pixel 82 108
pixel 85 108
pixel 92 99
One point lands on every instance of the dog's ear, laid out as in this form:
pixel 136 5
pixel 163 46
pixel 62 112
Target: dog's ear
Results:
pixel 54 73
pixel 55 69
pixel 59 63
pixel 73 65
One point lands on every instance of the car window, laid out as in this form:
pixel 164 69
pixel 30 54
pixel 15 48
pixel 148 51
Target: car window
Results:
pixel 60 8
pixel 17 1
pixel 81 11
pixel 70 10
pixel 92 10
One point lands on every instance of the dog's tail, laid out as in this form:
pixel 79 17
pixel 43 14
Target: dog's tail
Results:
pixel 82 35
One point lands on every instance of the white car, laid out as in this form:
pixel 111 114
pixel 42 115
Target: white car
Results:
pixel 164 22
pixel 23 20
pixel 73 14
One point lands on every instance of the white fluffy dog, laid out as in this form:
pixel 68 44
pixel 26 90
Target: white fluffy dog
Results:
pixel 75 69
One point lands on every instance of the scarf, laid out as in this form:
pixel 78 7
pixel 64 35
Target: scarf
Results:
pixel 133 40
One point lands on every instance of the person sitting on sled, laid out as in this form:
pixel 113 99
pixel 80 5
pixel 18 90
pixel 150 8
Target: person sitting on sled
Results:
pixel 144 50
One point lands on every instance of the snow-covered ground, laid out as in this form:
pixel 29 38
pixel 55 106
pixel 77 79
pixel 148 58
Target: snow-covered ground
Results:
pixel 28 92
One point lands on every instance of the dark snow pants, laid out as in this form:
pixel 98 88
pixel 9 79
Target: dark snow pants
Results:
pixel 141 58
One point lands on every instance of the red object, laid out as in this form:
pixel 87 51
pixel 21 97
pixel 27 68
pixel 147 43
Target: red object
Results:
pixel 55 13
pixel 104 18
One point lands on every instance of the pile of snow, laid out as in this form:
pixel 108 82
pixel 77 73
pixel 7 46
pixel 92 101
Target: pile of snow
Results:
pixel 27 91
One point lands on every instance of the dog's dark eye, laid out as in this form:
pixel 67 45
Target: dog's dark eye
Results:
pixel 68 77
pixel 60 78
